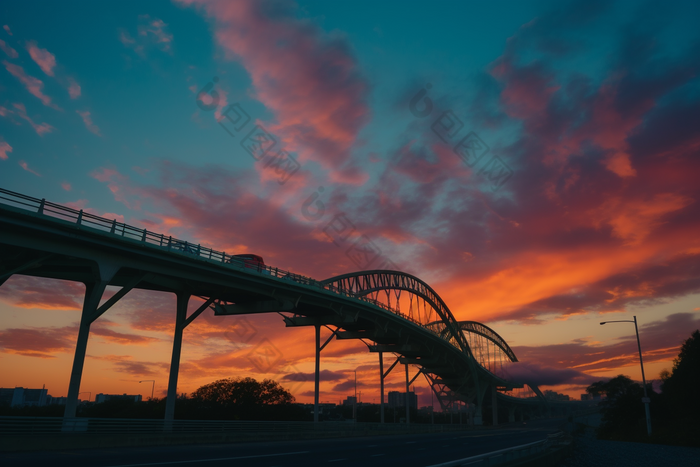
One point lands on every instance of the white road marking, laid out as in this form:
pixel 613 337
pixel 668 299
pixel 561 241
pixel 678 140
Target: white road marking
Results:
pixel 212 460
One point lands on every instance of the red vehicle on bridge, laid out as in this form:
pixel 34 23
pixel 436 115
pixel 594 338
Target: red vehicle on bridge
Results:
pixel 249 261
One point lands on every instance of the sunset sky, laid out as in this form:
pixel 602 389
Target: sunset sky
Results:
pixel 536 162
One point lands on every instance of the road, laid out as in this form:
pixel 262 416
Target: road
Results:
pixel 406 450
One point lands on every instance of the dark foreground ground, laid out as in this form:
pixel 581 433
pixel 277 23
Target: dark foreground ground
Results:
pixel 591 452
pixel 404 450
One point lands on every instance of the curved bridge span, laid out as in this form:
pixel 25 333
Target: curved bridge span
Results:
pixel 392 312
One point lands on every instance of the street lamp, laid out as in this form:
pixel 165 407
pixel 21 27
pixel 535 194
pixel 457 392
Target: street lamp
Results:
pixel 646 399
pixel 153 386
pixel 354 404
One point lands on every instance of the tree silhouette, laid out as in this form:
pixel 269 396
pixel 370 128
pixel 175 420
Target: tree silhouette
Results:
pixel 243 392
pixel 675 412
pixel 623 412
pixel 680 390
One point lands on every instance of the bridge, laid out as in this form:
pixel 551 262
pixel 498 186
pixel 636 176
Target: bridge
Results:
pixel 392 312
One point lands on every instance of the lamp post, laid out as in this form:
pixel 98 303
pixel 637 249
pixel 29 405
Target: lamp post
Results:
pixel 354 403
pixel 153 386
pixel 641 362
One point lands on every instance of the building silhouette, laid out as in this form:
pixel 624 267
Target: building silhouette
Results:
pixel 24 397
pixel 398 399
pixel 111 397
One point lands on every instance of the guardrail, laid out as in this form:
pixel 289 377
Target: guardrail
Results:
pixel 195 251
pixel 503 456
pixel 22 426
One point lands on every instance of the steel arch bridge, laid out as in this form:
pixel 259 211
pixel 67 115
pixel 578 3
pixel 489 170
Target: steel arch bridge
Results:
pixel 484 350
pixel 390 311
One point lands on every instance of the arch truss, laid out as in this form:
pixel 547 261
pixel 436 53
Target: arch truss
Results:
pixel 404 295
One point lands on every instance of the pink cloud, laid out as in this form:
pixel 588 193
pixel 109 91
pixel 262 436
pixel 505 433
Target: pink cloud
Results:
pixel 82 204
pixel 45 59
pixel 73 88
pixel 26 167
pixel 33 85
pixel 66 186
pixel 12 53
pixel 7 28
pixel 4 149
pixel 150 33
pixel 115 182
pixel 87 120
pixel 130 43
pixel 39 128
pixel 156 31
pixel 308 78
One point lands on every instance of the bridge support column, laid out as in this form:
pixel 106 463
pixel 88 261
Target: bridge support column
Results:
pixel 479 403
pixel 494 404
pixel 318 367
pixel 521 416
pixel 381 387
pixel 408 405
pixel 180 323
pixel 511 415
pixel 93 294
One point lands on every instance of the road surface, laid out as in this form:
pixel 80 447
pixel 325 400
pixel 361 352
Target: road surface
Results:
pixel 417 450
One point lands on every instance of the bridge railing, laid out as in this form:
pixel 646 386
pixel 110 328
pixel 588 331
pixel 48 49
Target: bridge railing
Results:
pixel 197 251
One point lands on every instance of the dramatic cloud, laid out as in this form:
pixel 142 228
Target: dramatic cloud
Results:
pixel 647 285
pixel 346 385
pixel 102 328
pixel 87 120
pixel 45 59
pixel 661 341
pixel 309 79
pixel 38 342
pixel 126 364
pixel 34 86
pixel 4 149
pixel 49 294
pixel 325 375
pixel 536 374
pixel 12 53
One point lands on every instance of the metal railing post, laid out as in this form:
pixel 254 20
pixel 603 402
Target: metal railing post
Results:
pixel 41 206
pixel 80 217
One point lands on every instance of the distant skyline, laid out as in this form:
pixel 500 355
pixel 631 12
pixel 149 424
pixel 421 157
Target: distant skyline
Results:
pixel 535 162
